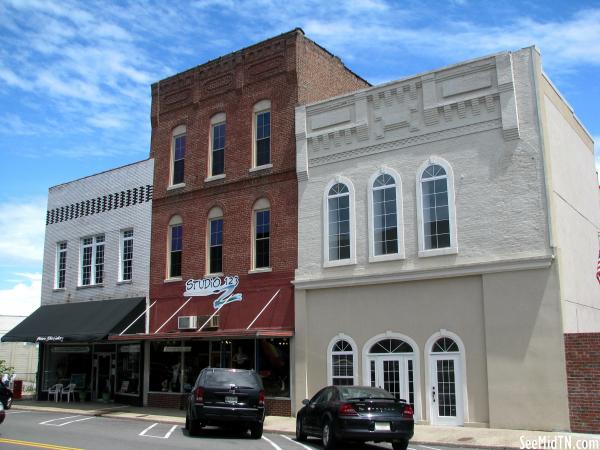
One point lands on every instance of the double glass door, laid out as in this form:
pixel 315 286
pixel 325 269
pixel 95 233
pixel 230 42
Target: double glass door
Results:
pixel 394 374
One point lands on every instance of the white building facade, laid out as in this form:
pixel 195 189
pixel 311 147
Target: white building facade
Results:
pixel 448 239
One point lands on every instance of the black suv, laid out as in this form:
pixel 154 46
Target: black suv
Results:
pixel 227 397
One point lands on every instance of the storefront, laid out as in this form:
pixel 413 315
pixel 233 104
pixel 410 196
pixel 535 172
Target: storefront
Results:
pixel 75 350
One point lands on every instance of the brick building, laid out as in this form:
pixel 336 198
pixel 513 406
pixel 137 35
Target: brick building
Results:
pixel 225 213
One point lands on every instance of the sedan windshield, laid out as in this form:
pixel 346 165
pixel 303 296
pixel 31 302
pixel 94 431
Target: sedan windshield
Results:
pixel 358 392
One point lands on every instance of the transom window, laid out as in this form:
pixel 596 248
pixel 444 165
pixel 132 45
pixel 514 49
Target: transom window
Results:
pixel 391 346
pixel 175 247
pixel 61 265
pixel 218 149
pixel 126 255
pixel 263 138
pixel 443 345
pixel 92 260
pixel 179 142
pixel 216 245
pixel 436 217
pixel 385 215
pixel 342 364
pixel 338 206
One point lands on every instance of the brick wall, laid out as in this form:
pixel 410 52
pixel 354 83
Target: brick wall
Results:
pixel 157 400
pixel 278 407
pixel 583 379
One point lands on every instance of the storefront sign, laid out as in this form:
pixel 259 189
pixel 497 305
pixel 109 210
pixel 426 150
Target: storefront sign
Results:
pixel 70 349
pixel 49 339
pixel 177 349
pixel 132 348
pixel 214 286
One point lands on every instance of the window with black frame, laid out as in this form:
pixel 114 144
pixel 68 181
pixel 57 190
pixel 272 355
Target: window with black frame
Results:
pixel 262 238
pixel 273 366
pixel 128 369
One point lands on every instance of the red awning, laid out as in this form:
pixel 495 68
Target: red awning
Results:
pixel 231 333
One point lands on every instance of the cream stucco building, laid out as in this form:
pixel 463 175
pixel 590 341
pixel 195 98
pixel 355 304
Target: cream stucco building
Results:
pixel 448 240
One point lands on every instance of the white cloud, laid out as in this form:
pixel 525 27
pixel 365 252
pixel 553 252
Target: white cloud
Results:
pixel 24 297
pixel 22 228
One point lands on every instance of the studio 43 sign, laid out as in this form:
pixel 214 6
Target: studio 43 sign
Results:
pixel 222 286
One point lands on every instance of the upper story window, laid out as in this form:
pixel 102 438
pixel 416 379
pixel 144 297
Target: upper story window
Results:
pixel 339 223
pixel 92 260
pixel 61 265
pixel 262 133
pixel 262 234
pixel 126 263
pixel 175 245
pixel 215 240
pixel 217 145
pixel 385 210
pixel 178 145
pixel 437 218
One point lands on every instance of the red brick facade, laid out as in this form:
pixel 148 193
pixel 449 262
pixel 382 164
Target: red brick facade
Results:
pixel 286 70
pixel 583 380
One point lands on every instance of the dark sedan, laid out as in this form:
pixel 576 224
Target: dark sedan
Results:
pixel 355 413
pixel 232 398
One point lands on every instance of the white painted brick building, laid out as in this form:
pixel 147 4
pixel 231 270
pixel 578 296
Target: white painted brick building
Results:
pixel 107 204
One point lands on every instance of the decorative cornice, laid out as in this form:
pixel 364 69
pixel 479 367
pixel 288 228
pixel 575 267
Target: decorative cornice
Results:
pixel 462 270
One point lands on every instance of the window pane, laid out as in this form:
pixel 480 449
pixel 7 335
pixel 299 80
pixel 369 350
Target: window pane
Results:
pixel 178 171
pixel 218 149
pixel 263 151
pixel 385 221
pixel 262 238
pixel 178 159
pixel 436 223
pixel 216 246
pixel 175 269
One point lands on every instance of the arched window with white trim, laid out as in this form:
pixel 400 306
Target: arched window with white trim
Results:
pixel 215 241
pixel 216 156
pixel 178 144
pixel 339 223
pixel 342 361
pixel 385 216
pixel 436 208
pixel 175 246
pixel 261 235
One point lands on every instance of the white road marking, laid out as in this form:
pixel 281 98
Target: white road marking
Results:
pixel 275 446
pixel 298 443
pixel 431 448
pixel 72 421
pixel 166 436
pixel 54 420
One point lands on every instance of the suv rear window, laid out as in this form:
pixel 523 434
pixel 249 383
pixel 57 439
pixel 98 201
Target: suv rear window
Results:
pixel 225 378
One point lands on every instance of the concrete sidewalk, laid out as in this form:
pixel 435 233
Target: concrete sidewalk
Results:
pixel 424 434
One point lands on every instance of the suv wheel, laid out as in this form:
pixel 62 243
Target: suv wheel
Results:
pixel 193 426
pixel 329 441
pixel 402 444
pixel 300 434
pixel 256 431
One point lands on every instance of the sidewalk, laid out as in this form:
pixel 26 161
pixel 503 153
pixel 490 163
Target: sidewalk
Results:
pixel 424 434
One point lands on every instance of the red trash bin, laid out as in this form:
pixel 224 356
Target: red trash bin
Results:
pixel 17 389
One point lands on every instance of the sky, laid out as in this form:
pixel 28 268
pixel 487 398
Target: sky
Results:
pixel 75 78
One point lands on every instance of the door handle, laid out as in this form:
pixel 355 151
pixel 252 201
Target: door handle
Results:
pixel 433 394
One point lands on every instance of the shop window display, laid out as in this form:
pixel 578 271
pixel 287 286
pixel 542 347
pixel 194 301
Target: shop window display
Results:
pixel 273 366
pixel 128 369
pixel 194 361
pixel 165 366
pixel 67 364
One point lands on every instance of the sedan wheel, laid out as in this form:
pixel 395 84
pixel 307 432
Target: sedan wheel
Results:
pixel 400 445
pixel 300 434
pixel 329 441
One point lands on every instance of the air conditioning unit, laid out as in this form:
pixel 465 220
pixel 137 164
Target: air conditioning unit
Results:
pixel 187 322
pixel 212 323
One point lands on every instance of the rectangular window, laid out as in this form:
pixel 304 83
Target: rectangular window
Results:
pixel 263 138
pixel 262 238
pixel 339 227
pixel 216 246
pixel 178 158
pixel 61 265
pixel 218 149
pixel 92 260
pixel 126 255
pixel 385 221
pixel 436 219
pixel 176 249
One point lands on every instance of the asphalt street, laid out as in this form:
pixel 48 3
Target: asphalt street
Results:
pixel 60 431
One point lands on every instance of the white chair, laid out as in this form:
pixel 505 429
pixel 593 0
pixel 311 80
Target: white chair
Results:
pixel 55 391
pixel 69 391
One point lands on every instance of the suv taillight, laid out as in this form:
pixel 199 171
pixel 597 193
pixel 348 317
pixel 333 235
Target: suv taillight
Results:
pixel 407 411
pixel 261 398
pixel 199 393
pixel 347 409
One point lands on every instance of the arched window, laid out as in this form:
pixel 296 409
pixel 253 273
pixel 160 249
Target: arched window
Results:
pixel 215 240
pixel 443 345
pixel 262 134
pixel 437 218
pixel 385 216
pixel 261 231
pixel 178 143
pixel 342 362
pixel 175 246
pixel 217 145
pixel 339 223
pixel 391 346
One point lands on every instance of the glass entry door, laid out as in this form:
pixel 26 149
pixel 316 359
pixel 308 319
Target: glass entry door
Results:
pixel 392 374
pixel 104 376
pixel 446 385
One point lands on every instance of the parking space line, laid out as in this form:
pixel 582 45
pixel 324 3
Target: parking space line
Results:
pixel 296 442
pixel 47 422
pixel 166 436
pixel 71 421
pixel 430 448
pixel 275 446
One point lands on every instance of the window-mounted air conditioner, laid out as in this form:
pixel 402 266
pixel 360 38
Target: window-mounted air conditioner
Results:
pixel 187 322
pixel 213 322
